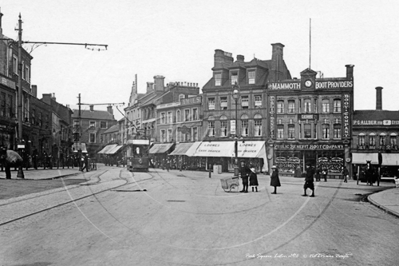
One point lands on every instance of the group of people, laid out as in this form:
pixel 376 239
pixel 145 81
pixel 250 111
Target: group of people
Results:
pixel 249 177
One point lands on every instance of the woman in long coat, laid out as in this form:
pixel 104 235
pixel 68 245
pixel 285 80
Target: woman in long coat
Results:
pixel 274 179
pixel 253 179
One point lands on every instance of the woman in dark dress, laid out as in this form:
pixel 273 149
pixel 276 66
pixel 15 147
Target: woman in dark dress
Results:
pixel 253 179
pixel 274 179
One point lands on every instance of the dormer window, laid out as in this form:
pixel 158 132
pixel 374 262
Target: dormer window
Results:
pixel 251 77
pixel 218 79
pixel 234 77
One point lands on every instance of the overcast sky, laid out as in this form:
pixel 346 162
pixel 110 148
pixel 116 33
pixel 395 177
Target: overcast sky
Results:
pixel 177 39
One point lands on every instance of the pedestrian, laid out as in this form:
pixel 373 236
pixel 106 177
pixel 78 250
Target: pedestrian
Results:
pixel 324 173
pixel 253 179
pixel 274 179
pixel 85 160
pixel 317 174
pixel 244 172
pixel 345 174
pixel 309 180
pixel 167 164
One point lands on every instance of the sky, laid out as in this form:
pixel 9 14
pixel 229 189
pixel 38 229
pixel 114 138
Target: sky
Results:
pixel 177 39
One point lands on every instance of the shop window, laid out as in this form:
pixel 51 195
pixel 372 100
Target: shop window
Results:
pixel 280 107
pixel 291 106
pixel 337 106
pixel 223 103
pixel 325 106
pixel 218 79
pixel 291 132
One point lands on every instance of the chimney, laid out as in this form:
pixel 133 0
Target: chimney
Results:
pixel 240 58
pixel 159 83
pixel 379 98
pixel 277 51
pixel 109 109
pixel 46 97
pixel 34 91
pixel 222 59
pixel 53 97
pixel 150 87
pixel 349 71
pixel 91 108
pixel 1 26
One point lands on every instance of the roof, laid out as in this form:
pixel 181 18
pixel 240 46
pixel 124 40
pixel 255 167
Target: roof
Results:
pixel 96 114
pixel 375 115
pixel 114 128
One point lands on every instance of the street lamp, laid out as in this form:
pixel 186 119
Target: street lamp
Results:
pixel 236 95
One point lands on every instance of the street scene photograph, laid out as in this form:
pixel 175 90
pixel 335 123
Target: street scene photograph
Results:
pixel 199 133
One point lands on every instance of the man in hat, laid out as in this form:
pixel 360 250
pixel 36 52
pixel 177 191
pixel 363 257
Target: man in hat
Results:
pixel 309 180
pixel 244 172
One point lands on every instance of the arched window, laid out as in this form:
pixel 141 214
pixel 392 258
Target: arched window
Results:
pixel 223 126
pixel 361 139
pixel 337 105
pixel 244 125
pixel 258 125
pixel 178 116
pixel 211 126
pixel 325 106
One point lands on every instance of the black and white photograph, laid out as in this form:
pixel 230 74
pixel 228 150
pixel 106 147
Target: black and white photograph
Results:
pixel 199 132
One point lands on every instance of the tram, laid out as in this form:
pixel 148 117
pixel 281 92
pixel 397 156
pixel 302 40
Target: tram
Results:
pixel 137 155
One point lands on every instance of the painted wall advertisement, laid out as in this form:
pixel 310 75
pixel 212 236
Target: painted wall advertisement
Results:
pixel 346 117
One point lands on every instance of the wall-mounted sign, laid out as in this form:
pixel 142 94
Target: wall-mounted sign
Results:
pixel 309 147
pixel 308 116
pixel 296 85
pixel 376 122
pixel 7 82
pixel 346 117
pixel 272 118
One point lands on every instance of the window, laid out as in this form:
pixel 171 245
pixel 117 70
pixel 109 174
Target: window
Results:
pixel 162 118
pixel 92 124
pixel 337 131
pixel 218 79
pixel 169 118
pixel 178 135
pixel 163 135
pixel 223 103
pixel 211 103
pixel 382 140
pixel 392 141
pixel 23 70
pixel 92 138
pixel 244 102
pixel 362 139
pixel 280 132
pixel 211 128
pixel 307 129
pixel 244 128
pixel 9 106
pixel 169 136
pixel 291 132
pixel 337 106
pixel 40 119
pixel 372 141
pixel 223 128
pixel 187 115
pixel 15 64
pixel 308 106
pixel 181 97
pixel 33 120
pixel 178 115
pixel 27 73
pixel 251 77
pixel 195 134
pixel 326 131
pixel 103 124
pixel 325 106
pixel 258 127
pixel 280 107
pixel 3 104
pixel 195 114
pixel 258 101
pixel 291 106
pixel 234 77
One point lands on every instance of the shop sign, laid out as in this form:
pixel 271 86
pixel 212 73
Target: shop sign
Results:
pixel 309 147
pixel 284 86
pixel 308 117
pixel 376 122
pixel 191 100
pixel 272 111
pixel 346 118
pixel 7 82
pixel 232 127
pixel 330 84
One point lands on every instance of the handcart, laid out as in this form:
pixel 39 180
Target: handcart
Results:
pixel 229 183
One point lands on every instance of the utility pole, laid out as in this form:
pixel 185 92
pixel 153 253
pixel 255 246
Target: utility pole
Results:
pixel 79 139
pixel 20 142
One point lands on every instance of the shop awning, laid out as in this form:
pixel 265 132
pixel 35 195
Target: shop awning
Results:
pixel 390 159
pixel 362 158
pixel 160 148
pixel 107 148
pixel 191 151
pixel 115 150
pixel 181 148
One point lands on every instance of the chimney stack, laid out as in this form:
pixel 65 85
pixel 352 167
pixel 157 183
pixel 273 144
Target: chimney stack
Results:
pixel 34 91
pixel 91 108
pixel 277 51
pixel 110 110
pixel 379 98
pixel 349 71
pixel 222 59
pixel 1 26
pixel 240 58
pixel 159 83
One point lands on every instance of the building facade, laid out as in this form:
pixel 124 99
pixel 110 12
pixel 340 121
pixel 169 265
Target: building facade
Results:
pixel 310 122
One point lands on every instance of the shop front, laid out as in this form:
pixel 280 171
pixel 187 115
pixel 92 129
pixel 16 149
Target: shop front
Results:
pixel 159 153
pixel 291 159
pixel 181 156
pixel 223 153
pixel 389 166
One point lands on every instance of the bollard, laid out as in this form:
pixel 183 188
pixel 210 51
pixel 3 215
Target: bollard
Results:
pixel 210 172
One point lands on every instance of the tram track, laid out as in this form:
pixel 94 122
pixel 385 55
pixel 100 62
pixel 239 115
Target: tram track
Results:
pixel 74 200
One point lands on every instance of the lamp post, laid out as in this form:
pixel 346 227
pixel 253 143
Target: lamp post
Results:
pixel 236 95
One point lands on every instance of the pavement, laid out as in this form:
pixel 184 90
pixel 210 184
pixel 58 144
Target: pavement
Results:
pixel 387 199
